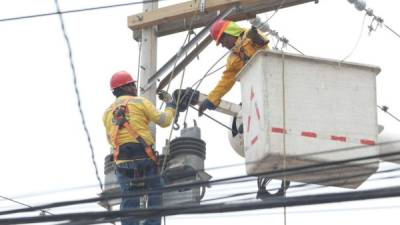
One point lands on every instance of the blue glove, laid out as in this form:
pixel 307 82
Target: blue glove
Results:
pixel 206 104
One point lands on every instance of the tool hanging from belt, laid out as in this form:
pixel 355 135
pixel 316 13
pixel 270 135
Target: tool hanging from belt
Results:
pixel 120 121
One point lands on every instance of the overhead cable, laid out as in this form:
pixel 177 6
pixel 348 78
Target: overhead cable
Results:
pixel 301 185
pixel 272 174
pixel 385 109
pixel 276 202
pixel 77 10
pixel 241 164
pixel 265 28
pixel 276 10
pixel 72 65
pixel 361 5
pixel 43 212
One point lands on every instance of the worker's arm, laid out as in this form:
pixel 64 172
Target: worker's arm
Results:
pixel 227 81
pixel 163 119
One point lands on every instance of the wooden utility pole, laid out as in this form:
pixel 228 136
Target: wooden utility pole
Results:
pixel 149 59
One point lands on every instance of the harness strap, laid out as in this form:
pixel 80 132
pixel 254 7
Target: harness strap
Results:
pixel 148 149
pixel 115 135
pixel 115 138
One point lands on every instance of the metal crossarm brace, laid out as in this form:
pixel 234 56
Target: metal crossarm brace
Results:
pixel 186 61
pixel 186 48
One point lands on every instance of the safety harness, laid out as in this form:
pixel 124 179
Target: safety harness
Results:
pixel 120 120
pixel 257 41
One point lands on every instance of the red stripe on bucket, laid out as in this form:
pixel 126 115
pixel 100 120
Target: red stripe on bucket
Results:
pixel 338 138
pixel 278 130
pixel 309 134
pixel 254 140
pixel 367 142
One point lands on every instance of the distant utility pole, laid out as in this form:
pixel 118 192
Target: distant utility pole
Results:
pixel 149 59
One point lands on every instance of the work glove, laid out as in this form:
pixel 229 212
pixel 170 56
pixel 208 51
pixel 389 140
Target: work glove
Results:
pixel 186 97
pixel 256 37
pixel 206 104
pixel 167 98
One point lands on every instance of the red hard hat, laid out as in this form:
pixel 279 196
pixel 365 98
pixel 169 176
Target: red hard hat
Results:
pixel 217 29
pixel 120 79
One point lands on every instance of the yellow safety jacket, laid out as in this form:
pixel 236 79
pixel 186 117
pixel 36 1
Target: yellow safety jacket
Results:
pixel 140 113
pixel 243 50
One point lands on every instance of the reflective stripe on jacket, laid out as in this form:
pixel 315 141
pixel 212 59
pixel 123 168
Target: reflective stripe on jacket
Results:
pixel 141 113
pixel 243 50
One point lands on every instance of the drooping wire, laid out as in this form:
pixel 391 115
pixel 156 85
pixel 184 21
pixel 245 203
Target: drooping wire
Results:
pixel 75 81
pixel 43 212
pixel 358 40
pixel 77 10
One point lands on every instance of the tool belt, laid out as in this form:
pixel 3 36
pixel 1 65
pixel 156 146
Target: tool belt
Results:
pixel 132 151
pixel 135 174
pixel 136 170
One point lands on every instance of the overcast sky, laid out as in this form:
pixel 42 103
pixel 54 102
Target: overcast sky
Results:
pixel 45 153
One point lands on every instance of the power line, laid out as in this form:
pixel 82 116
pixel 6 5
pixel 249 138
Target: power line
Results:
pixel 23 204
pixel 276 202
pixel 393 31
pixel 273 174
pixel 72 65
pixel 213 119
pixel 76 10
pixel 385 109
pixel 298 186
pixel 276 10
pixel 360 5
pixel 241 164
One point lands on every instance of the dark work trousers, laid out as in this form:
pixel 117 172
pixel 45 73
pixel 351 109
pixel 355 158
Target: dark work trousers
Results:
pixel 138 175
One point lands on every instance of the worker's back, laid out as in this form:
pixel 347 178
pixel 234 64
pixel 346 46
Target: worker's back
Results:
pixel 140 113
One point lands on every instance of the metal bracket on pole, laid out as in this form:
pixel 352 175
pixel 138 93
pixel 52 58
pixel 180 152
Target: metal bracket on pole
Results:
pixel 202 6
pixel 186 61
pixel 186 48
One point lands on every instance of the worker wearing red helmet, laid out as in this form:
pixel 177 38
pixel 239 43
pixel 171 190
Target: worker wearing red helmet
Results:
pixel 127 126
pixel 243 45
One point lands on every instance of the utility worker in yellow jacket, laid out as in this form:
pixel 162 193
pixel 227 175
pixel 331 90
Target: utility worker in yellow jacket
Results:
pixel 243 45
pixel 127 126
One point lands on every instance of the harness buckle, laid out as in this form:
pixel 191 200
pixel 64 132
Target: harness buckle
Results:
pixel 119 116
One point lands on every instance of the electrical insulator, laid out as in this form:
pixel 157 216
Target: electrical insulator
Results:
pixel 202 6
pixel 264 27
pixel 360 5
pixel 255 22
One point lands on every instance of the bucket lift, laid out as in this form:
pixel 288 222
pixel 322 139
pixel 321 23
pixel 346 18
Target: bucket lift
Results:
pixel 301 111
